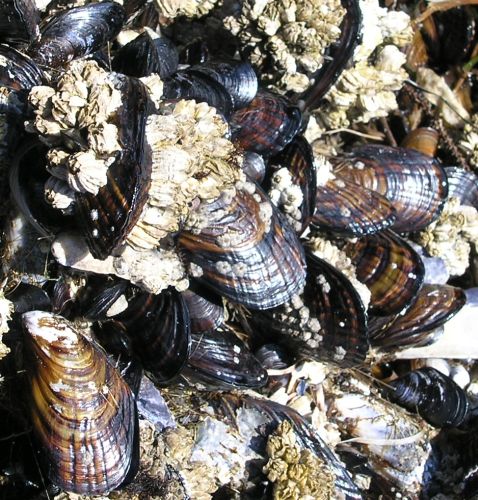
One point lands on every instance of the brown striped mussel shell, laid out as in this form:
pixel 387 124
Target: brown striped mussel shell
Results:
pixel 414 183
pixel 390 268
pixel 246 251
pixel 83 413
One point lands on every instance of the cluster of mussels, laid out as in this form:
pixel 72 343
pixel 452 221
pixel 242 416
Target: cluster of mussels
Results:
pixel 169 217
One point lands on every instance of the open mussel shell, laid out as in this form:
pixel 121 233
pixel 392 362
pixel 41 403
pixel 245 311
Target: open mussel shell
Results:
pixel 237 77
pixel 298 158
pixel 220 360
pixel 391 269
pixel 247 252
pixel 77 32
pixel 206 311
pixel 146 55
pixel 159 331
pixel 266 125
pixel 463 185
pixel 27 180
pixel 229 404
pixel 413 182
pixel 18 71
pixel 435 304
pixel 328 324
pixel 119 203
pixel 83 413
pixel 435 396
pixel 18 21
pixel 201 88
pixel 350 209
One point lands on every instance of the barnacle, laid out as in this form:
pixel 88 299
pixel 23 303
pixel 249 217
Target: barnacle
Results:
pixel 288 39
pixel 295 472
pixel 451 236
pixel 189 8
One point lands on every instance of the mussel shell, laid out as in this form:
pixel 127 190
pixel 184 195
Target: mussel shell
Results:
pixel 228 404
pixel 435 304
pixel 330 298
pixel 119 203
pixel 391 269
pixel 201 88
pixel 423 139
pixel 350 209
pixel 99 296
pixel 18 71
pixel 77 32
pixel 254 166
pixel 27 180
pixel 435 396
pixel 206 311
pixel 414 183
pixel 220 360
pixel 18 21
pixel 298 158
pixel 263 266
pixel 462 185
pixel 237 77
pixel 83 413
pixel 159 329
pixel 146 55
pixel 338 57
pixel 266 125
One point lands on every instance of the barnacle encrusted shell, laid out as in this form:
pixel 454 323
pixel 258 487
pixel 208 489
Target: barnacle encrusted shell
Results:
pixel 184 158
pixel 367 89
pixel 290 37
pixel 334 256
pixel 83 412
pixel 450 236
pixel 296 473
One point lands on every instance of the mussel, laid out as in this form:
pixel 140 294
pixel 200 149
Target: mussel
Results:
pixel 435 396
pixel 83 413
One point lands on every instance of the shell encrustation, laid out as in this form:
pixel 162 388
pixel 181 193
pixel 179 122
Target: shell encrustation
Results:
pixel 83 412
pixel 136 166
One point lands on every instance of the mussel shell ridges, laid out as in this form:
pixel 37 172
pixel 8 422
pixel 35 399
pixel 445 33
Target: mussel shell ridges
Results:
pixel 261 266
pixel 415 184
pixel 83 413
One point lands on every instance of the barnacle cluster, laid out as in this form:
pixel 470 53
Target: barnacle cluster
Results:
pixel 188 8
pixel 368 89
pixel 287 39
pixel 451 236
pixel 295 472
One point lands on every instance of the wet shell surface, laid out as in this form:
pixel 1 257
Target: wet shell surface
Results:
pixel 83 412
pixel 435 396
pixel 414 183
pixel 245 251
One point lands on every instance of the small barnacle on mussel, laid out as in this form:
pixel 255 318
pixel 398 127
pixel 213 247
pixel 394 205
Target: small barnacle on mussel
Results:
pixel 83 413
pixel 433 395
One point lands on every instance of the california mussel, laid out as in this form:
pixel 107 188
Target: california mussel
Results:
pixel 189 223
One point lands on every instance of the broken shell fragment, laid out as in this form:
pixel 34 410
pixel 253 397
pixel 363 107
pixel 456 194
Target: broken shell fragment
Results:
pixel 83 413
